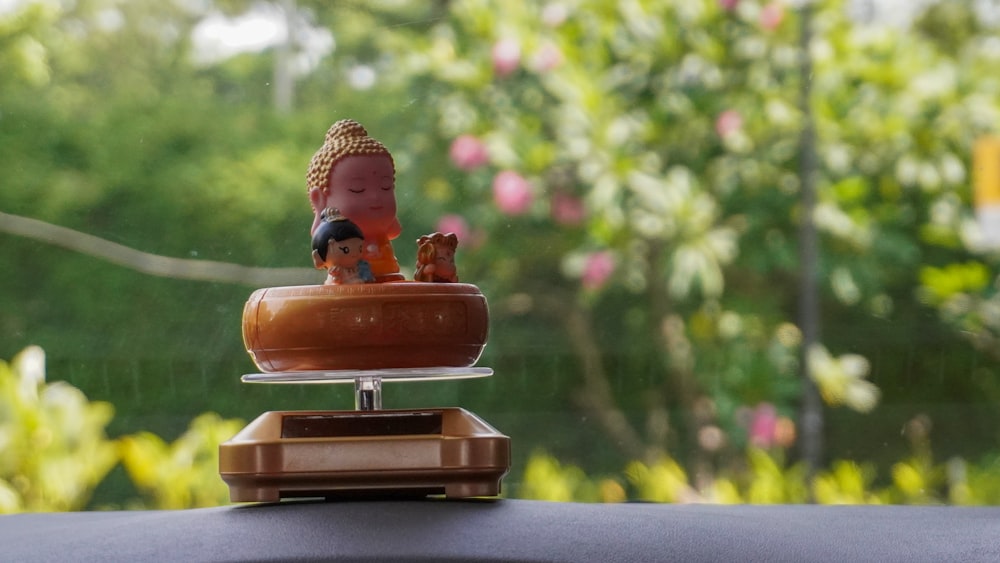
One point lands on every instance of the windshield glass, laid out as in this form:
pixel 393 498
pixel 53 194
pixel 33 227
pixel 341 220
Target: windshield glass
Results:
pixel 733 250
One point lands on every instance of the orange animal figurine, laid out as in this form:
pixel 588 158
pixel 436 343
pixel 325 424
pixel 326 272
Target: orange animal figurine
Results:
pixel 436 258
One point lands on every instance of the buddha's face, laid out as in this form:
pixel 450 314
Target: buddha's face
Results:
pixel 363 188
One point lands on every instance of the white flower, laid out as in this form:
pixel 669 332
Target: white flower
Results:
pixel 29 366
pixel 841 380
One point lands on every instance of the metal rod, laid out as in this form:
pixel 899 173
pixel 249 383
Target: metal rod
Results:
pixel 811 421
pixel 368 393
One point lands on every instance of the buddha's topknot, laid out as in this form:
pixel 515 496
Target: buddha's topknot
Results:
pixel 344 138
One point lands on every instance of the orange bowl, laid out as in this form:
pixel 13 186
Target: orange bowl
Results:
pixel 366 326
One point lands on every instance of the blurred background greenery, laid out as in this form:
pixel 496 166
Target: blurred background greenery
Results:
pixel 629 181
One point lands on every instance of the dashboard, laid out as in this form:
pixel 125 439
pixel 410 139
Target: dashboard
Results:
pixel 507 530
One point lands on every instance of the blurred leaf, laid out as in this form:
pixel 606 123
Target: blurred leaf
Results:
pixel 184 473
pixel 52 438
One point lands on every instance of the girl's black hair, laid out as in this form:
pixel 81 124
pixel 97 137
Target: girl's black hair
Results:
pixel 338 229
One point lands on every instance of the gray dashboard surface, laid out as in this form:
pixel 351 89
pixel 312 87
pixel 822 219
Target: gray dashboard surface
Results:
pixel 507 530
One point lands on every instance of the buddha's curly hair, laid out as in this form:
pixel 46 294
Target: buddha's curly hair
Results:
pixel 344 138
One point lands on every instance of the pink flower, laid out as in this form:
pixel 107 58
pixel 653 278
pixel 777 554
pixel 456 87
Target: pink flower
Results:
pixel 567 209
pixel 467 237
pixel 772 15
pixel 511 193
pixel 468 153
pixel 728 5
pixel 728 122
pixel 506 57
pixel 454 224
pixel 763 425
pixel 597 268
pixel 547 58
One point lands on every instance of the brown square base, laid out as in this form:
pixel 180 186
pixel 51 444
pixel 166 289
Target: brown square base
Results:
pixel 283 454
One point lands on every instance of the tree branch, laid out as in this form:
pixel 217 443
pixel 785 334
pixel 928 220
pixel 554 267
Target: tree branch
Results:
pixel 596 396
pixel 152 264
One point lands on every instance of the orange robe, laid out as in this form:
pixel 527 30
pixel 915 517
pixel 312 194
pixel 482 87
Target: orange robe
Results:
pixel 379 254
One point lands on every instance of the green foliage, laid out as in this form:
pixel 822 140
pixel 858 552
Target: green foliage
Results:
pixel 663 481
pixel 845 483
pixel 678 124
pixel 185 473
pixel 966 297
pixel 765 478
pixel 943 283
pixel 545 478
pixel 22 55
pixel 52 439
pixel 54 450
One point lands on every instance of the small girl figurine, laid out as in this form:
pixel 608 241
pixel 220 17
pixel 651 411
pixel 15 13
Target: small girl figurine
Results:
pixel 436 258
pixel 338 245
